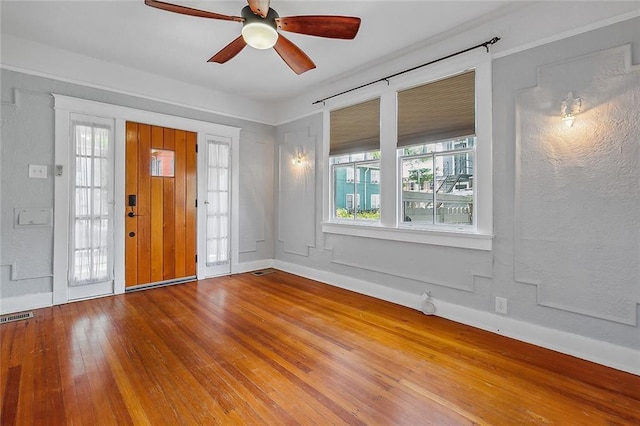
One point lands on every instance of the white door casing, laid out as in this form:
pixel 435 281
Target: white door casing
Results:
pixel 64 107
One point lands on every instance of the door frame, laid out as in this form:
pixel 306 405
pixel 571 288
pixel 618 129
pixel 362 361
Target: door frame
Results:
pixel 64 106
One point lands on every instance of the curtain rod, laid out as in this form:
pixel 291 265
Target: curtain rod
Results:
pixel 486 45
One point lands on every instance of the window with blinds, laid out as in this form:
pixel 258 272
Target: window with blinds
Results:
pixel 437 111
pixel 354 157
pixel 355 128
pixel 436 145
pixel 417 157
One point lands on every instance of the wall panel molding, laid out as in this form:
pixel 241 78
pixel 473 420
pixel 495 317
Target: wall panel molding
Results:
pixel 254 189
pixel 297 192
pixel 576 188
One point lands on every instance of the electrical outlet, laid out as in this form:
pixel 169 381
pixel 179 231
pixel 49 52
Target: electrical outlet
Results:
pixel 501 305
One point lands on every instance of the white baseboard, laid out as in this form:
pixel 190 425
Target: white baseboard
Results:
pixel 359 286
pixel 608 354
pixel 9 305
pixel 239 268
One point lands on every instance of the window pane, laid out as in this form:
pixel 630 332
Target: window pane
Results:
pixel 101 147
pixel 162 163
pixel 442 177
pixel 343 189
pixel 338 159
pixel 366 188
pixel 356 190
pixel 358 156
pixel 454 188
pixel 83 140
pixel 417 189
pixel 455 144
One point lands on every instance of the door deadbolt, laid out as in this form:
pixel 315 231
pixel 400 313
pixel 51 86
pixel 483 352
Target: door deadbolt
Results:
pixel 132 234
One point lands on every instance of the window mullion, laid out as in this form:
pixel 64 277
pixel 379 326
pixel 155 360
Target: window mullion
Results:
pixel 388 159
pixel 354 200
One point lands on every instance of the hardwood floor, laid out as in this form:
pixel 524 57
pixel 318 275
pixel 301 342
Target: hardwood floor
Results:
pixel 280 349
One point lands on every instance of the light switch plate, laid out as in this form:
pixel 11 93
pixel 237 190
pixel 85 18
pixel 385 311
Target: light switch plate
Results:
pixel 37 171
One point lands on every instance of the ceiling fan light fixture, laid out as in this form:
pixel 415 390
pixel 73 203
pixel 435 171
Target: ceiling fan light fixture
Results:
pixel 259 32
pixel 259 35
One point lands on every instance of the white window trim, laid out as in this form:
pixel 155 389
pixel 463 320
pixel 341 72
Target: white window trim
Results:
pixel 467 240
pixel 479 238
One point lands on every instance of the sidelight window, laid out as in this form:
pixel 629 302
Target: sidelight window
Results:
pixel 91 257
pixel 217 203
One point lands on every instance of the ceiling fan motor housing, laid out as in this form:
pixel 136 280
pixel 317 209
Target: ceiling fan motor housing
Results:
pixel 257 31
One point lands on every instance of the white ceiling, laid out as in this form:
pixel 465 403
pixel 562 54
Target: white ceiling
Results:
pixel 177 46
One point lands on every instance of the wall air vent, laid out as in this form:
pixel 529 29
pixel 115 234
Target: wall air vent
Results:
pixel 263 272
pixel 15 317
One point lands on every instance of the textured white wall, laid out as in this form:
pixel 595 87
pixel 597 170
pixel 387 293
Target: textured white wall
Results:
pixel 578 188
pixel 26 261
pixel 553 265
pixel 256 203
pixel 297 191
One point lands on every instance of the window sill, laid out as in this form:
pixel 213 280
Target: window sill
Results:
pixel 467 240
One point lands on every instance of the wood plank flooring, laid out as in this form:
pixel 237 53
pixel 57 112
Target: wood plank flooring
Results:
pixel 280 349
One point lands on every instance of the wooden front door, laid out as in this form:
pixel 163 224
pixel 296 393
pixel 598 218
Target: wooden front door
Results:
pixel 160 195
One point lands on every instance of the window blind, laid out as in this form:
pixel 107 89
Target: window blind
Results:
pixel 444 109
pixel 355 128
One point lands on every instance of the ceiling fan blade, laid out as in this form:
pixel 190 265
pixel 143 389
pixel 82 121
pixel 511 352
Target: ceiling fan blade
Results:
pixel 297 60
pixel 190 11
pixel 345 27
pixel 229 51
pixel 259 7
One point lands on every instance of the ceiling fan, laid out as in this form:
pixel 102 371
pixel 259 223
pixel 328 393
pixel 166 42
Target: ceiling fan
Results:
pixel 260 25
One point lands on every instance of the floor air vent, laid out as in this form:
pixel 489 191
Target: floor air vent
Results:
pixel 263 272
pixel 15 317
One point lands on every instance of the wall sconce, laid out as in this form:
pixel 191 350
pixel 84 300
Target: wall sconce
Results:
pixel 298 160
pixel 569 108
